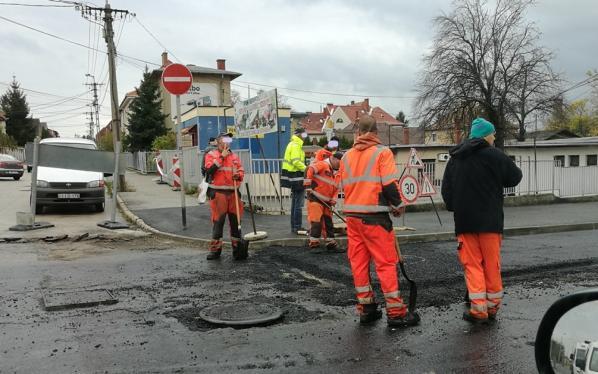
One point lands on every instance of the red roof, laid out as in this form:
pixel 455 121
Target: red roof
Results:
pixel 312 124
pixel 382 116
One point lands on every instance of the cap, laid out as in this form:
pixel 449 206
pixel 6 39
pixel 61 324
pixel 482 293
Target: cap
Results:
pixel 299 130
pixel 222 134
pixel 480 128
pixel 211 139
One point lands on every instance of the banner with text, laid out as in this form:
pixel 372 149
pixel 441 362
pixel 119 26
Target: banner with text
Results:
pixel 257 116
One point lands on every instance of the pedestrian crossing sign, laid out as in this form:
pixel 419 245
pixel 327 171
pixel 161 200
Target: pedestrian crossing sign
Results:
pixel 414 161
pixel 427 188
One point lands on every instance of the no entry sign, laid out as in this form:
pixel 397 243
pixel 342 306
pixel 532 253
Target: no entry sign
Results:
pixel 177 79
pixel 409 189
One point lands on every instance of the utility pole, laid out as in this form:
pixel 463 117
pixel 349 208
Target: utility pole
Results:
pixel 95 103
pixel 91 126
pixel 107 14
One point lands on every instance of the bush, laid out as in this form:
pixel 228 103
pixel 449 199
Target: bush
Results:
pixel 105 142
pixel 7 141
pixel 167 141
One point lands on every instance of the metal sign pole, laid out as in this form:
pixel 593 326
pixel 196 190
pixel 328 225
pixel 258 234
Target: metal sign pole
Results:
pixel 179 139
pixel 34 178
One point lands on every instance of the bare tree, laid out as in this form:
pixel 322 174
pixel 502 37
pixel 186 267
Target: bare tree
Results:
pixel 486 62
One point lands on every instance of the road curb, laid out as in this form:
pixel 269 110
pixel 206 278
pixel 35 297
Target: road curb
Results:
pixel 299 241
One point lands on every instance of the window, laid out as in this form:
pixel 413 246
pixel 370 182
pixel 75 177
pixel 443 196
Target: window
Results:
pixel 591 160
pixel 433 137
pixel 573 160
pixel 559 161
pixel 340 120
pixel 594 360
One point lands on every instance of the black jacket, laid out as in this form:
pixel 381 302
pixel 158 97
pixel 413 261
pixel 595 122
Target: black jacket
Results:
pixel 473 183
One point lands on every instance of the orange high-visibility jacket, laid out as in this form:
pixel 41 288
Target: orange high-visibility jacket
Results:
pixel 369 177
pixel 322 154
pixel 322 181
pixel 225 167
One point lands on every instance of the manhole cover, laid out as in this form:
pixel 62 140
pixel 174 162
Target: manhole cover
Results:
pixel 241 314
pixel 76 299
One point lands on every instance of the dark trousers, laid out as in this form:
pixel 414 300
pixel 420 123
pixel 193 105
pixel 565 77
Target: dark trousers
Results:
pixel 297 201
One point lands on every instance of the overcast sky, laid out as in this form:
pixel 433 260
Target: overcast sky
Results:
pixel 340 46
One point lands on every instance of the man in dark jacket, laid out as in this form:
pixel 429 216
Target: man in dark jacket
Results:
pixel 472 188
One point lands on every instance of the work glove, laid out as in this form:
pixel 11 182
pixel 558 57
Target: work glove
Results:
pixel 225 152
pixel 398 211
pixel 332 202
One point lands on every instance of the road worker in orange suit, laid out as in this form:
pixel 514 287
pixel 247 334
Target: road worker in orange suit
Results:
pixel 321 186
pixel 222 168
pixel 330 148
pixel 472 188
pixel 369 179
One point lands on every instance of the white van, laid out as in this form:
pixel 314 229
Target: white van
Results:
pixel 67 187
pixel 591 364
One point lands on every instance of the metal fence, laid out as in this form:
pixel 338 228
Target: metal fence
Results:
pixel 18 153
pixel 143 162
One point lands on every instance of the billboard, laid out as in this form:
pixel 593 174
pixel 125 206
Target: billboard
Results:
pixel 205 94
pixel 257 115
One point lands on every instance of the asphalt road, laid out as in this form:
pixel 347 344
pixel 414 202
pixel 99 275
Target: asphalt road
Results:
pixel 161 286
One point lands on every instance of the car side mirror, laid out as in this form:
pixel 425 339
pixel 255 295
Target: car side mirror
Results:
pixel 567 339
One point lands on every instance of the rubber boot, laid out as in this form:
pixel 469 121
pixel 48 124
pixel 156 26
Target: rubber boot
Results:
pixel 332 246
pixel 215 249
pixel 368 313
pixel 410 319
pixel 467 316
pixel 313 244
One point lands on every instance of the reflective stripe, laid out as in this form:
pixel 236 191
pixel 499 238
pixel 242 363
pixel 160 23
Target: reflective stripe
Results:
pixel 370 166
pixel 326 180
pixel 367 288
pixel 295 179
pixel 217 162
pixel 221 187
pixel 353 180
pixel 307 180
pixel 473 296
pixel 392 294
pixel 366 208
pixel 225 168
pixel 395 305
pixel 325 199
pixel 389 178
pixel 365 300
pixel 233 238
pixel 495 295
pixel 492 304
pixel 479 307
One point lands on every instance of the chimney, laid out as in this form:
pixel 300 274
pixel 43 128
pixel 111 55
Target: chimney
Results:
pixel 221 64
pixel 406 135
pixel 164 58
pixel 352 102
pixel 367 104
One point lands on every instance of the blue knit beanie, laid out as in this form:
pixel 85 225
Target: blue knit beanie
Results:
pixel 481 128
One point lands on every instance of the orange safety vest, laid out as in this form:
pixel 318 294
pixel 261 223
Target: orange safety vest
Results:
pixel 363 173
pixel 222 179
pixel 322 181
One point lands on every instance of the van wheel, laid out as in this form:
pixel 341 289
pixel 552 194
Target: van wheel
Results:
pixel 99 207
pixel 16 178
pixel 29 169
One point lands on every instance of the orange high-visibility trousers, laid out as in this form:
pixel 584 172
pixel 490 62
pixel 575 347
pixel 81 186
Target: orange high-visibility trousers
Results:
pixel 367 242
pixel 479 253
pixel 222 205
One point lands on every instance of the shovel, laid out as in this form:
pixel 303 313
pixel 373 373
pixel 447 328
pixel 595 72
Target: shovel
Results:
pixel 412 284
pixel 241 251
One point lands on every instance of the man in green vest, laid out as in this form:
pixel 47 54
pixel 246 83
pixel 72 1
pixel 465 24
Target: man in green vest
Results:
pixel 293 168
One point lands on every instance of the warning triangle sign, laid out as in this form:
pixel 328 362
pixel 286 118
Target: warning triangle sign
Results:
pixel 414 160
pixel 427 188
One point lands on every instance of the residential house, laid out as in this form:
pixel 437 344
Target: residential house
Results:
pixel 125 110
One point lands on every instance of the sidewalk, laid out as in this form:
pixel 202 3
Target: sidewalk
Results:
pixel 159 208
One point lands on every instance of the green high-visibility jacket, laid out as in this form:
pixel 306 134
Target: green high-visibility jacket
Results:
pixel 293 165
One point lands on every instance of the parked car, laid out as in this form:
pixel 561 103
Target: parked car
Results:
pixel 67 187
pixel 10 167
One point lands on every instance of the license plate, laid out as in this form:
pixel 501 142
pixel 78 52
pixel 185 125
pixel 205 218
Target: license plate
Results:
pixel 69 195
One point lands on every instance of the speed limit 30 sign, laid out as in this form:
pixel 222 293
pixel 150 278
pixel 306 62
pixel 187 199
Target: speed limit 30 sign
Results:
pixel 409 188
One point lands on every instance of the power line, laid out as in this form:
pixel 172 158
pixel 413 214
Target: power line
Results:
pixel 38 5
pixel 156 39
pixel 73 42
pixel 328 93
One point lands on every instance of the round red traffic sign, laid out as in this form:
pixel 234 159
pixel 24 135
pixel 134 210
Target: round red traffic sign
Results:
pixel 409 188
pixel 177 79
